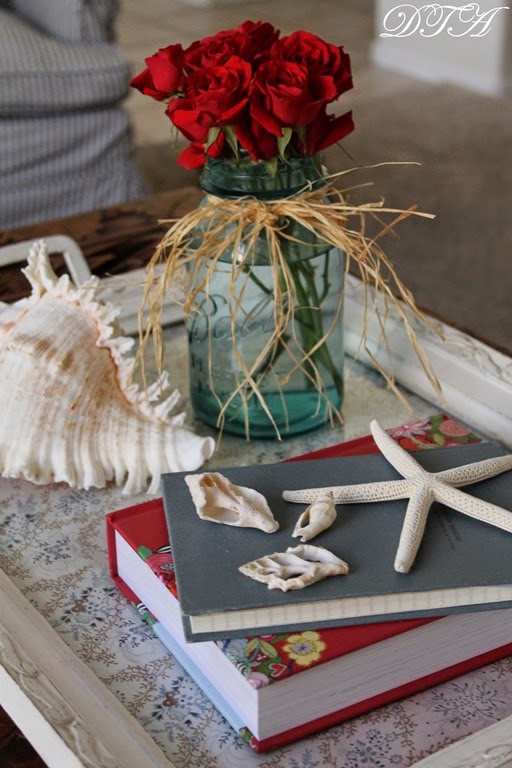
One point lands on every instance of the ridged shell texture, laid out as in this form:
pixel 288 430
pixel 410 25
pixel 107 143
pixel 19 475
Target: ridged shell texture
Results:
pixel 67 412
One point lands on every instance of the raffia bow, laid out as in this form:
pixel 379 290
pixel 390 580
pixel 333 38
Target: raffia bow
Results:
pixel 235 225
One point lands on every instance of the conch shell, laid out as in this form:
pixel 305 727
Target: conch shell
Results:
pixel 68 413
pixel 319 516
pixel 219 500
pixel 296 568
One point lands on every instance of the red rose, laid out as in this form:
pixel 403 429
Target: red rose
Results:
pixel 287 95
pixel 164 74
pixel 255 83
pixel 192 123
pixel 250 42
pixel 143 82
pixel 194 155
pixel 211 51
pixel 317 56
pixel 259 38
pixel 253 137
pixel 326 130
pixel 214 97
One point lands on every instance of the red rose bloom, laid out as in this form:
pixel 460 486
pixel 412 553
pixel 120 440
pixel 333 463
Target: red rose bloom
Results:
pixel 164 74
pixel 259 38
pixel 326 130
pixel 317 56
pixel 209 52
pixel 250 42
pixel 194 155
pixel 215 96
pixel 256 140
pixel 287 95
pixel 143 82
pixel 255 83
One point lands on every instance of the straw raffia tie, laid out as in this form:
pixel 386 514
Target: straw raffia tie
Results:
pixel 259 213
pixel 220 226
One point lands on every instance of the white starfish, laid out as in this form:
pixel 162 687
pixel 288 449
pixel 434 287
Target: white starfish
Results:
pixel 422 488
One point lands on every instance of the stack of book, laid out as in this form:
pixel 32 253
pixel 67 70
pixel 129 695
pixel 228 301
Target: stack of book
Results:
pixel 282 666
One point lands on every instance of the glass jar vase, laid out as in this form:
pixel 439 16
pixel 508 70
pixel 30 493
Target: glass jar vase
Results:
pixel 241 379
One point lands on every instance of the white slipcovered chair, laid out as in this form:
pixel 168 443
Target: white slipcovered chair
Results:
pixel 65 140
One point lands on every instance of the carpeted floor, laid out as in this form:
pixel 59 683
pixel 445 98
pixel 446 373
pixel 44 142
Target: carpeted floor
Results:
pixel 459 265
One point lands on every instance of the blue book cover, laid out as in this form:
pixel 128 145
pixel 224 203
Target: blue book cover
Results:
pixel 197 675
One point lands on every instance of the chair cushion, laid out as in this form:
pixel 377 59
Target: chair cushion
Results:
pixel 86 21
pixel 39 74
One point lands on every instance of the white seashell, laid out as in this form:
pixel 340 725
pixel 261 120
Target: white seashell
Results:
pixel 296 568
pixel 68 413
pixel 219 500
pixel 319 516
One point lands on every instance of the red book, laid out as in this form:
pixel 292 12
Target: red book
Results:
pixel 277 688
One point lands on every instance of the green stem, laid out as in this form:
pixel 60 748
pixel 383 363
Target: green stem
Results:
pixel 309 316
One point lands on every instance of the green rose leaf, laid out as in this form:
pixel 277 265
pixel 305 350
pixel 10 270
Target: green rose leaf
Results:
pixel 230 138
pixel 272 166
pixel 283 141
pixel 213 135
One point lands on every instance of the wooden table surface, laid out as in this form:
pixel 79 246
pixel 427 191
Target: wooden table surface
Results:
pixel 114 240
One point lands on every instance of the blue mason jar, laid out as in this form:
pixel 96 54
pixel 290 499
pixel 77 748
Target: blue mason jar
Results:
pixel 300 381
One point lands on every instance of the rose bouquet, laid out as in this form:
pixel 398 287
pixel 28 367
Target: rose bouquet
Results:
pixel 248 90
pixel 262 261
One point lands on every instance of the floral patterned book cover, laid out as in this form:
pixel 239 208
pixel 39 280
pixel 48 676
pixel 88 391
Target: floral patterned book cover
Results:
pixel 265 660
